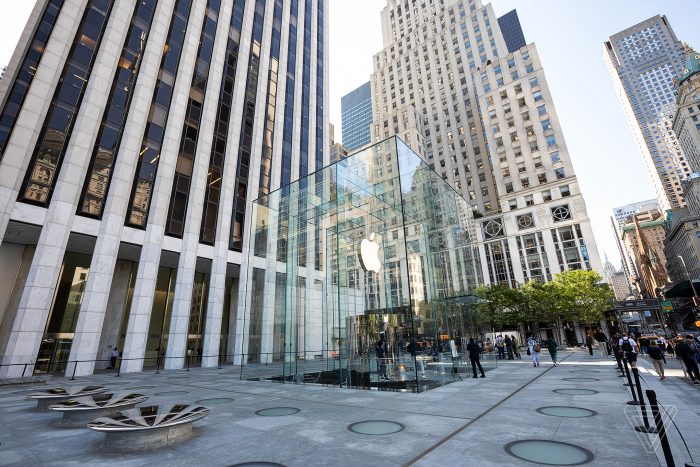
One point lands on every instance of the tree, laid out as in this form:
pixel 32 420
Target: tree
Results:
pixel 502 305
pixel 580 297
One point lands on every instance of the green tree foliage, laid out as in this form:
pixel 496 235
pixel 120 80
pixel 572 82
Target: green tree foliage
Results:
pixel 570 295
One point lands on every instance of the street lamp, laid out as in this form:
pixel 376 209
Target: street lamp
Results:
pixel 687 274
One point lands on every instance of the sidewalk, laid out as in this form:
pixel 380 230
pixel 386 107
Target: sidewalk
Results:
pixel 464 423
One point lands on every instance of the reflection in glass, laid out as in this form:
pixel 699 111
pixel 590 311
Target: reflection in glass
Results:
pixel 399 266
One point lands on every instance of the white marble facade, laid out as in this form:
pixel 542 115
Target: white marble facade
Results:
pixel 120 290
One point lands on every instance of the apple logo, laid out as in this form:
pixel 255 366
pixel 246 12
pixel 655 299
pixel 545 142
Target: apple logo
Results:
pixel 369 254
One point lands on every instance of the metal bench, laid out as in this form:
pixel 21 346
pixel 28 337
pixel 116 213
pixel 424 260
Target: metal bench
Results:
pixel 148 427
pixel 51 396
pixel 82 410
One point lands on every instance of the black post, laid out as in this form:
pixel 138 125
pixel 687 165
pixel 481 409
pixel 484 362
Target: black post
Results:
pixel 188 362
pixel 634 400
pixel 158 362
pixel 646 428
pixel 219 360
pixel 75 367
pixel 24 369
pixel 668 455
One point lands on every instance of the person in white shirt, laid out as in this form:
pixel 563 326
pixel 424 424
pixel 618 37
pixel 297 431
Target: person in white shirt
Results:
pixel 629 347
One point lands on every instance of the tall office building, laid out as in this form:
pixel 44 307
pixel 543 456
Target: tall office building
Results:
pixel 686 125
pixel 643 60
pixel 512 31
pixel 134 136
pixel 446 83
pixel 356 117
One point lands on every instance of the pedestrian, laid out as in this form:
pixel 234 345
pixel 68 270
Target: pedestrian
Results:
pixel 629 349
pixel 661 341
pixel 381 359
pixel 516 347
pixel 474 351
pixel 602 342
pixel 509 346
pixel 113 355
pixel 686 351
pixel 589 343
pixel 534 348
pixel 551 345
pixel 657 359
pixel 501 347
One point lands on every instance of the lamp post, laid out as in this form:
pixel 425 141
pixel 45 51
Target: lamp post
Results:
pixel 692 285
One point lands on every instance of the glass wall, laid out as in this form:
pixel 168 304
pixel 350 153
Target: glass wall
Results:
pixel 390 306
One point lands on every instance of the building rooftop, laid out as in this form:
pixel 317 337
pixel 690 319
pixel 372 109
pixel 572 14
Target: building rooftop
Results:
pixel 692 65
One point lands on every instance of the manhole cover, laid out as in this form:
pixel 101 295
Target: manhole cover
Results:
pixel 257 464
pixel 171 393
pixel 575 391
pixel 547 452
pixel 565 411
pixel 277 411
pixel 581 380
pixel 215 400
pixel 376 427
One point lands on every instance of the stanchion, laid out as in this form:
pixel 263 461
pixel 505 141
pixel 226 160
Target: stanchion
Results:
pixel 646 428
pixel 665 446
pixel 634 400
pixel 219 361
pixel 188 362
pixel 158 363
pixel 75 367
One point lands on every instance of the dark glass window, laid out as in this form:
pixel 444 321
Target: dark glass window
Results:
pixel 288 133
pixel 271 106
pixel 193 117
pixel 160 106
pixel 105 151
pixel 318 255
pixel 246 142
pixel 223 114
pixel 58 124
pixel 25 73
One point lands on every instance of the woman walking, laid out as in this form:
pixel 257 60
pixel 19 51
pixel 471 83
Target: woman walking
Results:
pixel 534 347
pixel 658 359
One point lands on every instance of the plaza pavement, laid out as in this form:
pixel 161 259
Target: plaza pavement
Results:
pixel 464 423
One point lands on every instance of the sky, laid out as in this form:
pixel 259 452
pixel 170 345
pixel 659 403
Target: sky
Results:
pixel 569 35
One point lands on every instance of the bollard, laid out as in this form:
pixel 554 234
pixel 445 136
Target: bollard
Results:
pixel 654 403
pixel 75 367
pixel 219 361
pixel 646 428
pixel 634 400
pixel 188 362
pixel 24 369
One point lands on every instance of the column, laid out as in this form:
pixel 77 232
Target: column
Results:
pixel 37 296
pixel 179 322
pixel 141 305
pixel 104 256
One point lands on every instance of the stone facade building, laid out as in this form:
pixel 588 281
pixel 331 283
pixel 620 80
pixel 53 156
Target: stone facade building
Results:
pixel 485 119
pixel 134 136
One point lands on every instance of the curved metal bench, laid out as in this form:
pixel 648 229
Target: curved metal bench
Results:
pixel 51 396
pixel 82 410
pixel 148 427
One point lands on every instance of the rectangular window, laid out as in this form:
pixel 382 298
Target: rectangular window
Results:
pixel 547 195
pixel 560 173
pixel 564 190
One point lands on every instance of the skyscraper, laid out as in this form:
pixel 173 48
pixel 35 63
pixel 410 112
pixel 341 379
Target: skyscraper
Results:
pixel 134 137
pixel 512 31
pixel 356 117
pixel 643 60
pixel 446 83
